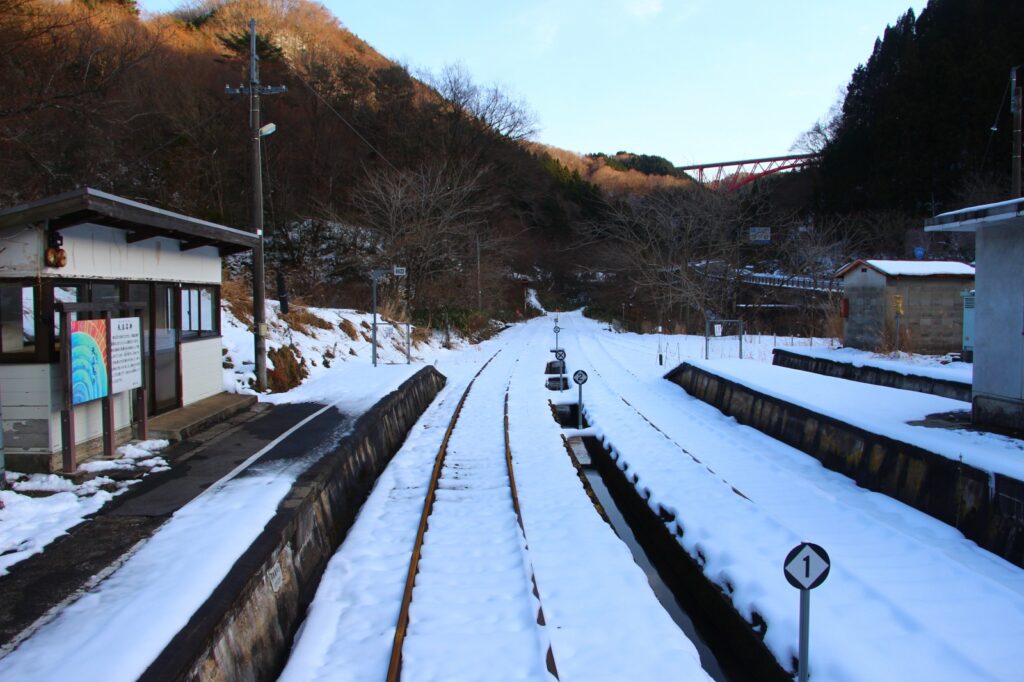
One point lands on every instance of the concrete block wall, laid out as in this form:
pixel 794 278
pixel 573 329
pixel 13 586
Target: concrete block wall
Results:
pixel 932 320
pixel 987 509
pixel 872 375
pixel 244 630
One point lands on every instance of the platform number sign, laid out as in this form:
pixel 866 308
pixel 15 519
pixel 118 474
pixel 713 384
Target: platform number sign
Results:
pixel 580 377
pixel 806 566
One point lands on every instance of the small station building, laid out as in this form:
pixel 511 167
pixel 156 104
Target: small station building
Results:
pixel 925 295
pixel 998 392
pixel 88 255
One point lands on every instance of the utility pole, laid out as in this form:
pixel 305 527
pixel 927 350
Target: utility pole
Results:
pixel 479 289
pixel 1015 109
pixel 254 90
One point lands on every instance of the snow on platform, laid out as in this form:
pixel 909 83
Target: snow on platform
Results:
pixel 908 364
pixel 879 409
pixel 908 598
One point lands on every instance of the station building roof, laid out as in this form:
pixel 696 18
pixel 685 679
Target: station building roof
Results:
pixel 1010 212
pixel 140 221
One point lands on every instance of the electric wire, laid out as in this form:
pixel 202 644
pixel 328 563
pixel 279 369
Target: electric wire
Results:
pixel 995 126
pixel 342 118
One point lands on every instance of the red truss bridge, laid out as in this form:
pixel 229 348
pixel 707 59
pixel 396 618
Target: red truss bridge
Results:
pixel 731 175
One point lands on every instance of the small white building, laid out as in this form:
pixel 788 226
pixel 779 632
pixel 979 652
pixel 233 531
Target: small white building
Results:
pixel 998 392
pixel 104 250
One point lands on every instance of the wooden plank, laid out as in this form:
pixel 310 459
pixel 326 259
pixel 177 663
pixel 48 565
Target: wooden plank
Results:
pixel 27 433
pixel 29 371
pixel 22 412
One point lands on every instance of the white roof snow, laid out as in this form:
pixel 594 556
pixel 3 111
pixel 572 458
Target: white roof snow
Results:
pixel 915 268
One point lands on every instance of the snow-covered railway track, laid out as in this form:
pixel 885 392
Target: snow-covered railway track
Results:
pixel 470 549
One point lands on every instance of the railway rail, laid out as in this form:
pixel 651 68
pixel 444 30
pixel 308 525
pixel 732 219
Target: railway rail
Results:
pixel 477 479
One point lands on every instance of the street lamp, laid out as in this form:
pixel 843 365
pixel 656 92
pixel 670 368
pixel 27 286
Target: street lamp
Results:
pixel 375 275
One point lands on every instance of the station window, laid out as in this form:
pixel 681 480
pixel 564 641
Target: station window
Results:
pixel 17 319
pixel 200 311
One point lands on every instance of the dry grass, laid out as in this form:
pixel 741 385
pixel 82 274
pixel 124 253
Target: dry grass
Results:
pixel 289 370
pixel 237 294
pixel 349 329
pixel 834 325
pixel 301 319
pixel 393 312
pixel 421 335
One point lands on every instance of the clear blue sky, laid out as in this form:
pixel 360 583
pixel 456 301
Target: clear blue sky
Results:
pixel 690 80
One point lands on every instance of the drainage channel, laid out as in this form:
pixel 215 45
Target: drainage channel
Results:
pixel 567 416
pixel 661 590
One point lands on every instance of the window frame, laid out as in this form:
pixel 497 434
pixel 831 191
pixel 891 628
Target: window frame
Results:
pixel 187 335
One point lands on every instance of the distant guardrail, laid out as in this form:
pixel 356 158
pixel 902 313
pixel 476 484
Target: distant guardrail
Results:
pixel 805 282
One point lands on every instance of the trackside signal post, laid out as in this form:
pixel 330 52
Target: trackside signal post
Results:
pixel 580 377
pixel 806 566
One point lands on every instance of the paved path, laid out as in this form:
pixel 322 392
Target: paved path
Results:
pixel 43 583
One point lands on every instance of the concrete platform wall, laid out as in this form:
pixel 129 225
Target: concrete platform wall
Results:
pixel 872 375
pixel 986 509
pixel 244 631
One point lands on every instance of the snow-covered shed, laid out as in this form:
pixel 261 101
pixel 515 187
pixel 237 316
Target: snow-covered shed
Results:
pixel 926 294
pixel 998 391
pixel 87 255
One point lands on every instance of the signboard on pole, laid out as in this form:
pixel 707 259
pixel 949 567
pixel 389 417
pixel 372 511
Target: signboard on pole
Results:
pixel 806 566
pixel 125 354
pixel 89 357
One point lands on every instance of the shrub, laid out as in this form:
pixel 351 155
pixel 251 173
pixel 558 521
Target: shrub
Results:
pixel 289 369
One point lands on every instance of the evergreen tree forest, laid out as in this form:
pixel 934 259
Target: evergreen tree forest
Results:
pixel 925 124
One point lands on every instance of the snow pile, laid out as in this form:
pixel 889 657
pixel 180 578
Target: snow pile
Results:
pixel 133 455
pixel 533 301
pixel 41 507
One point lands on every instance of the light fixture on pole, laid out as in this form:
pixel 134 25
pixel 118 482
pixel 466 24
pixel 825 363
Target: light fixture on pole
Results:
pixel 254 90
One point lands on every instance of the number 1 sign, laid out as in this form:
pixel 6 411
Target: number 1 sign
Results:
pixel 806 566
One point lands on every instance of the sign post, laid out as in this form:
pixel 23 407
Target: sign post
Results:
pixel 557 329
pixel 580 377
pixel 375 276
pixel 806 566
pixel 897 306
pixel 560 358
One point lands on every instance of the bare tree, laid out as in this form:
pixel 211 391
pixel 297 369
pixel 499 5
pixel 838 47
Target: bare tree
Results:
pixel 820 135
pixel 475 115
pixel 676 248
pixel 430 220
